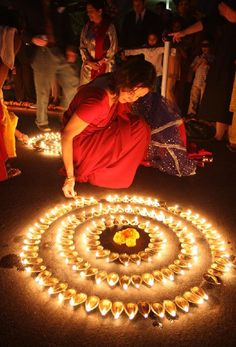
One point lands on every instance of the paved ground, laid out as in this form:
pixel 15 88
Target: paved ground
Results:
pixel 28 318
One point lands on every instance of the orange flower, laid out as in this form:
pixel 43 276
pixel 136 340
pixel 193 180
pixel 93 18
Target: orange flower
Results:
pixel 127 236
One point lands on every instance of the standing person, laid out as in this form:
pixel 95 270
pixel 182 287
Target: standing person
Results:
pixel 98 43
pixel 200 67
pixel 219 83
pixel 10 42
pixel 137 24
pixel 103 143
pixel 48 31
pixel 232 129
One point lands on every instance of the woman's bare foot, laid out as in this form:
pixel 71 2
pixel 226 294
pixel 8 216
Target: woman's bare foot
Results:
pixel 21 136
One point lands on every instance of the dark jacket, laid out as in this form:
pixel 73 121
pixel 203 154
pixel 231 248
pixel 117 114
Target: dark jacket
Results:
pixel 135 36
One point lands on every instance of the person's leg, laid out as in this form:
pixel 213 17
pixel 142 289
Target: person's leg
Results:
pixel 194 100
pixel 170 94
pixel 44 75
pixel 232 133
pixel 3 73
pixel 68 79
pixel 221 129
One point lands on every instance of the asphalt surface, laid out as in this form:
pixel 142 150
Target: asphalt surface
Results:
pixel 30 318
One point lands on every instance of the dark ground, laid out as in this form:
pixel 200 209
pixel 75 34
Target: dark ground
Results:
pixel 28 318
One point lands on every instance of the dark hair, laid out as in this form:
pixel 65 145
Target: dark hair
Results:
pixel 98 4
pixel 133 72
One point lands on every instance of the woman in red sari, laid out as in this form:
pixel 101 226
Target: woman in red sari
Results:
pixel 102 142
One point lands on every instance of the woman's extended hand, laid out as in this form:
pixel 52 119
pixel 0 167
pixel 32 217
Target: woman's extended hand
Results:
pixel 68 187
pixel 177 36
pixel 40 41
pixel 227 12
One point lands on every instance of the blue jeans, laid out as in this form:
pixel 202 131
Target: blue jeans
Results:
pixel 50 64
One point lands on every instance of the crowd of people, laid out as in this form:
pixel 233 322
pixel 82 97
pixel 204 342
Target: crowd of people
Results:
pixel 107 73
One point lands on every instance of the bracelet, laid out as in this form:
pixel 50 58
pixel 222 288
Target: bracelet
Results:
pixel 70 178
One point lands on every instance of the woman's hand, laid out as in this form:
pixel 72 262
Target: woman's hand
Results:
pixel 177 36
pixel 94 65
pixel 40 41
pixel 227 12
pixel 68 187
pixel 71 56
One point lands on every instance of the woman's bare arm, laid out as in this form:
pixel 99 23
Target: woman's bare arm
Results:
pixel 192 29
pixel 73 128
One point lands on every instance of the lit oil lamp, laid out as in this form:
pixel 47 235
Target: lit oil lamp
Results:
pixel 42 275
pixel 170 307
pixel 158 309
pixel 168 274
pixel 220 268
pixel 124 259
pixel 92 237
pixel 91 303
pixel 81 266
pixel 145 256
pixel 66 295
pixel 30 242
pixel 91 271
pixel 112 279
pixel 26 254
pixel 193 298
pixel 100 276
pixel 31 261
pixel 183 264
pixel 158 276
pixel 176 269
pixel 112 257
pixel 144 308
pixel 148 279
pixel 48 281
pixel 212 279
pixel 131 310
pixel 102 253
pixel 136 280
pixel 135 258
pixel 125 281
pixel 182 303
pixel 73 261
pixel 57 288
pixel 200 292
pixel 214 272
pixel 78 299
pixel 117 309
pixel 35 268
pixel 104 306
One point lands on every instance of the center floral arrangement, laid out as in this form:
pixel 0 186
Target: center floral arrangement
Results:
pixel 126 236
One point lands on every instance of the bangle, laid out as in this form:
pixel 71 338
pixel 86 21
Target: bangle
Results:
pixel 70 178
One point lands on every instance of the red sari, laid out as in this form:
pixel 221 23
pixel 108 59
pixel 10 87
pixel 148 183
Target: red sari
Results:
pixel 108 152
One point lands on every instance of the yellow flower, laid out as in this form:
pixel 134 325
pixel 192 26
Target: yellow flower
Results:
pixel 127 236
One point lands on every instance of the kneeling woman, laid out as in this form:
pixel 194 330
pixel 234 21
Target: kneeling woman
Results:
pixel 102 142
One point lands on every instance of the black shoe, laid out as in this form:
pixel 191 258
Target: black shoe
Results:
pixel 44 128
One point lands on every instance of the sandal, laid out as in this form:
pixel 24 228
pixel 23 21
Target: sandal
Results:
pixel 13 172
